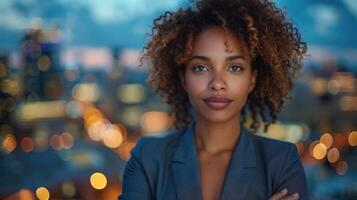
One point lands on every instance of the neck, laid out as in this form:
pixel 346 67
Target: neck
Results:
pixel 216 137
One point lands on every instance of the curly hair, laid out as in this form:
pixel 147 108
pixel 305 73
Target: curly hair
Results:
pixel 274 45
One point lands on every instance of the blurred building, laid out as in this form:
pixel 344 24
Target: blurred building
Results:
pixel 5 98
pixel 41 71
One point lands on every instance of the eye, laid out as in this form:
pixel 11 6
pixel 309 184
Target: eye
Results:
pixel 236 68
pixel 200 68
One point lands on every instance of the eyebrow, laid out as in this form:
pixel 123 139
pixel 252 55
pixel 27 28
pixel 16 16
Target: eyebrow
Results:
pixel 229 58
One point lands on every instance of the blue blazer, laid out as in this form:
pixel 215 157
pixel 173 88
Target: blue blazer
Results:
pixel 166 167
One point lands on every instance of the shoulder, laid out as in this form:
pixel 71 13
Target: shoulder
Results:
pixel 271 147
pixel 274 153
pixel 157 146
pixel 160 141
pixel 282 162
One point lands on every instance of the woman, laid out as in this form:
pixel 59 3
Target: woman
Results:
pixel 224 59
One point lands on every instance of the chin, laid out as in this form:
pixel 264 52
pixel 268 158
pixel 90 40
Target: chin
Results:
pixel 216 116
pixel 211 115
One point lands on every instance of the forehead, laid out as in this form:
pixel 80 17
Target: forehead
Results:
pixel 215 40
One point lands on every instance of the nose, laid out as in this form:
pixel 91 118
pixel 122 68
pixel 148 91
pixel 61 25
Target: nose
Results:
pixel 217 83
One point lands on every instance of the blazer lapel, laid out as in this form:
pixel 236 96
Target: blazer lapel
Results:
pixel 185 167
pixel 241 169
pixel 240 172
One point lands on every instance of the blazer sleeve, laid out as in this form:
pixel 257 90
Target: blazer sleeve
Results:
pixel 134 184
pixel 292 176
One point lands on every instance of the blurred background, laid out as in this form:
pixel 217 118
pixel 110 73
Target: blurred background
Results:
pixel 73 101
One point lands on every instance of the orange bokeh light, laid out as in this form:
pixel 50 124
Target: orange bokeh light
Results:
pixel 27 144
pixel 352 138
pixel 319 151
pixel 9 143
pixel 326 139
pixel 67 140
pixel 333 155
pixel 56 142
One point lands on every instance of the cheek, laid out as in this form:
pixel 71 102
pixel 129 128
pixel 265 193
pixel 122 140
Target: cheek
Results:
pixel 240 87
pixel 195 84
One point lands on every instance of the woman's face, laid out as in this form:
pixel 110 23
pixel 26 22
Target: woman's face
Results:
pixel 218 80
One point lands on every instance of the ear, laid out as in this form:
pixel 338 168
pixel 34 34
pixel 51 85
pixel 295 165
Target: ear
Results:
pixel 253 80
pixel 182 78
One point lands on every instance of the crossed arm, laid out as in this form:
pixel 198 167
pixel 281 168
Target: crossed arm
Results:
pixel 292 179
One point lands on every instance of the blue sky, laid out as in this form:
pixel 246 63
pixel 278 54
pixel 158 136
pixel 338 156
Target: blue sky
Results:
pixel 102 11
pixel 124 22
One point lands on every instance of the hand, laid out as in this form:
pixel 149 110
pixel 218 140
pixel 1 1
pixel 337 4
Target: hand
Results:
pixel 282 196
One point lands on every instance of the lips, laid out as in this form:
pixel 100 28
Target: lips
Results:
pixel 217 103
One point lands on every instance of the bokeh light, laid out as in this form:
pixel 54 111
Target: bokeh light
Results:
pixel 27 144
pixel 98 180
pixel 319 86
pixel 131 116
pixel 94 130
pixel 131 93
pixel 93 119
pixel 74 101
pixel 42 193
pixel 68 189
pixel 86 92
pixel 333 155
pixel 41 110
pixel 333 87
pixel 277 131
pixel 44 63
pixel 25 194
pixel 11 87
pixel 352 138
pixel 319 151
pixel 347 103
pixel 312 145
pixel 67 140
pixel 56 142
pixel 155 122
pixel 9 143
pixel 294 133
pixel 327 140
pixel 112 137
pixel 41 139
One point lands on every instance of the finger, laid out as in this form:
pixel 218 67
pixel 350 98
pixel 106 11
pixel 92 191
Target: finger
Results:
pixel 279 195
pixel 294 196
